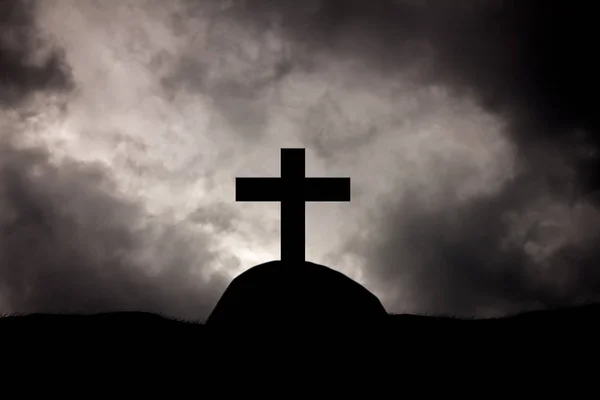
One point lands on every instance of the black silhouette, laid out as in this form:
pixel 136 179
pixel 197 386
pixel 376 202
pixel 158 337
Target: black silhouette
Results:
pixel 293 189
pixel 313 297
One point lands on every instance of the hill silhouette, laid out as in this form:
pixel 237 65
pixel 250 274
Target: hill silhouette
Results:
pixel 294 296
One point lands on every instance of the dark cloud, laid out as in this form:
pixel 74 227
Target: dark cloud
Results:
pixel 28 61
pixel 530 62
pixel 471 258
pixel 71 244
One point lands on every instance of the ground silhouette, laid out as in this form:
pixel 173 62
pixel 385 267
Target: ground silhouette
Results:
pixel 581 320
pixel 333 309
pixel 295 296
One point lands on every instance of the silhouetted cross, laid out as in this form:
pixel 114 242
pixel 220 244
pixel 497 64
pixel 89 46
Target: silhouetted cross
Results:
pixel 293 189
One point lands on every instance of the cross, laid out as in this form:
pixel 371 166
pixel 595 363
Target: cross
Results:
pixel 293 189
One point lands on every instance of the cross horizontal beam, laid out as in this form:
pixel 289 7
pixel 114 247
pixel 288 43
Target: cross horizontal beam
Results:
pixel 273 189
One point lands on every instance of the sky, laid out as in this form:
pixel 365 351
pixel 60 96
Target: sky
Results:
pixel 468 129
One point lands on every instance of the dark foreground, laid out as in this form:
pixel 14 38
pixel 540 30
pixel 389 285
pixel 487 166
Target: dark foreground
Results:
pixel 581 320
pixel 138 344
pixel 274 314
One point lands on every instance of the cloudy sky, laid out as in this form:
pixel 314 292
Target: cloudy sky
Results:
pixel 467 127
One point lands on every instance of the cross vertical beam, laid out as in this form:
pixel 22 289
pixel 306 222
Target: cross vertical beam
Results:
pixel 293 207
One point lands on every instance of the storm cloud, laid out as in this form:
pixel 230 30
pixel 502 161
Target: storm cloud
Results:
pixel 468 128
pixel 28 63
pixel 70 241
